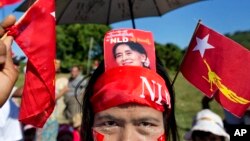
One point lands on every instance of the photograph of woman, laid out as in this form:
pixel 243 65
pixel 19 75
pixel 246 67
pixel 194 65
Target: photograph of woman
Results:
pixel 130 53
pixel 129 47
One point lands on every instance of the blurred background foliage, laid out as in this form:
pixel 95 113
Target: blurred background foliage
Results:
pixel 78 42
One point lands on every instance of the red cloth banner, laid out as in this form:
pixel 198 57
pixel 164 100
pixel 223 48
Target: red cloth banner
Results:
pixel 35 34
pixel 130 84
pixel 219 67
pixel 7 2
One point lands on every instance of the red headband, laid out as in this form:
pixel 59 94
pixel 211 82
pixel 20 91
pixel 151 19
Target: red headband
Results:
pixel 130 84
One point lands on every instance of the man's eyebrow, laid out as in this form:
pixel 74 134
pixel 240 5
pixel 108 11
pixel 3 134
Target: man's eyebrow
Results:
pixel 107 117
pixel 147 119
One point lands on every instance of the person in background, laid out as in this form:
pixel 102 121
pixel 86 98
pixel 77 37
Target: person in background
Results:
pixel 61 88
pixel 95 64
pixel 207 126
pixel 75 84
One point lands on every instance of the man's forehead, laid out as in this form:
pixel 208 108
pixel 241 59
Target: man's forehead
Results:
pixel 133 111
pixel 75 69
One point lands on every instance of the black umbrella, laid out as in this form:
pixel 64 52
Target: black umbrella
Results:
pixel 109 11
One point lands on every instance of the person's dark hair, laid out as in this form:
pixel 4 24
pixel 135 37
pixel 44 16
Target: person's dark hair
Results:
pixel 76 66
pixel 88 114
pixel 170 124
pixel 203 134
pixel 133 46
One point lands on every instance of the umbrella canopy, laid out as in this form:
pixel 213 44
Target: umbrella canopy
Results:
pixel 109 11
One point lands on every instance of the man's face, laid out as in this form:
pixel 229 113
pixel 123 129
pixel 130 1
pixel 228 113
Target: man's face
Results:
pixel 57 65
pixel 74 72
pixel 129 123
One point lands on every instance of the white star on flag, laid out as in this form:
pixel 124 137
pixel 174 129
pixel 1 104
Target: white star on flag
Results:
pixel 202 45
pixel 53 14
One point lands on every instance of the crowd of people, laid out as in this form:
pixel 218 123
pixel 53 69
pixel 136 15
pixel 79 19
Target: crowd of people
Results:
pixel 130 102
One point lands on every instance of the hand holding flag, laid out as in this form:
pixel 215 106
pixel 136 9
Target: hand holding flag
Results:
pixel 214 63
pixel 8 73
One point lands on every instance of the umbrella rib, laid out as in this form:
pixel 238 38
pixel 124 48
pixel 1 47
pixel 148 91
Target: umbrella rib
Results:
pixel 131 13
pixel 109 9
pixel 60 16
pixel 157 8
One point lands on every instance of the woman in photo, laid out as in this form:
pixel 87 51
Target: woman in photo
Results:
pixel 130 53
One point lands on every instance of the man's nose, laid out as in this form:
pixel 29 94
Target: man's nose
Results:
pixel 129 134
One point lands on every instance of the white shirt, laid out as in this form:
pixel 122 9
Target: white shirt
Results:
pixel 10 127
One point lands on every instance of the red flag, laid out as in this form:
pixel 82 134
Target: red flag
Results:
pixel 35 34
pixel 219 67
pixel 7 2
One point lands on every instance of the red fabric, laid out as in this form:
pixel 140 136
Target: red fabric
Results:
pixel 76 135
pixel 35 34
pixel 223 66
pixel 130 84
pixel 162 138
pixel 97 136
pixel 7 2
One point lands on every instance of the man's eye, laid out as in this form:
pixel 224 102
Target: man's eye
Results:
pixel 110 123
pixel 146 124
pixel 147 128
pixel 107 127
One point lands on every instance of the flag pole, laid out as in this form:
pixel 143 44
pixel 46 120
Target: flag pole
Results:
pixel 178 70
pixel 89 54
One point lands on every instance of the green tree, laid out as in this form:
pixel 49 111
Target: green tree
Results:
pixel 241 37
pixel 170 54
pixel 74 41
